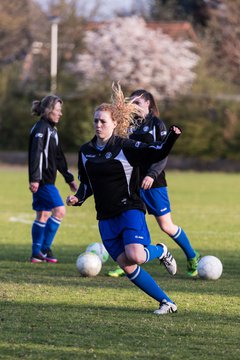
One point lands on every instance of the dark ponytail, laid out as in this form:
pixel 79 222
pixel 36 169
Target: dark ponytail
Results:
pixel 45 106
pixel 147 96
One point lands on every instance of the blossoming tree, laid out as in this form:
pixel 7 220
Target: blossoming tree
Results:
pixel 128 51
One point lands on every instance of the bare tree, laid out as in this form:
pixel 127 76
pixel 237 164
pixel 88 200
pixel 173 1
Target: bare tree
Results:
pixel 223 37
pixel 15 36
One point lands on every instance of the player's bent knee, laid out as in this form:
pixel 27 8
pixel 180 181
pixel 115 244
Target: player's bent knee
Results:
pixel 59 212
pixel 136 258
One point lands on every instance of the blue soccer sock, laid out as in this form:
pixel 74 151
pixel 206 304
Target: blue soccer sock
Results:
pixel 145 282
pixel 38 229
pixel 153 252
pixel 182 240
pixel 50 232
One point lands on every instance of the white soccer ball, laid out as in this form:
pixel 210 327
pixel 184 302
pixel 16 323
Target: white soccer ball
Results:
pixel 88 264
pixel 98 249
pixel 210 268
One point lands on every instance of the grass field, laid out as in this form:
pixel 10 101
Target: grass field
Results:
pixel 49 312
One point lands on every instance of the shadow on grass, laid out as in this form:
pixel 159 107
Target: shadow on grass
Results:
pixel 16 268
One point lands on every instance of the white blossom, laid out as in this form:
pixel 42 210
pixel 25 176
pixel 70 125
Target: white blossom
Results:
pixel 126 50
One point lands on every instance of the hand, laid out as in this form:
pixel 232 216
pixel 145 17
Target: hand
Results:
pixel 71 200
pixel 176 129
pixel 147 182
pixel 33 187
pixel 73 186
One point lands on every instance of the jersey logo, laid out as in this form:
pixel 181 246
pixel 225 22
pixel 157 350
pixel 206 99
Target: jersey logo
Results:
pixel 40 135
pixel 90 156
pixel 124 201
pixel 108 155
pixel 146 128
pixel 137 144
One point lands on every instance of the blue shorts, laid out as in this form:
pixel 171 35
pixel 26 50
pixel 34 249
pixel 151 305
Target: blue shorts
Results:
pixel 128 228
pixel 156 201
pixel 46 198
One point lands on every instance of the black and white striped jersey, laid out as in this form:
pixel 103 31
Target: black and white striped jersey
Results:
pixel 112 174
pixel 45 155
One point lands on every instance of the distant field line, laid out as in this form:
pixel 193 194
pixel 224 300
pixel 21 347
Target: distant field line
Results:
pixel 23 220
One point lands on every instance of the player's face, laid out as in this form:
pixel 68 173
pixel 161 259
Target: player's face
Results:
pixel 55 115
pixel 142 103
pixel 103 125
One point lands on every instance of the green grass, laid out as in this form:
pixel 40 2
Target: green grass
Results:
pixel 47 311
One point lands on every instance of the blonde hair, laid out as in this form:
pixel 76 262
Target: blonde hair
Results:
pixel 122 110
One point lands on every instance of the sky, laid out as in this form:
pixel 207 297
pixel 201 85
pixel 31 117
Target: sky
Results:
pixel 107 8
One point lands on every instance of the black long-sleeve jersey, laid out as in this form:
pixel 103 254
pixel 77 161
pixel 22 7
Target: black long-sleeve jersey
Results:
pixel 150 130
pixel 112 175
pixel 45 155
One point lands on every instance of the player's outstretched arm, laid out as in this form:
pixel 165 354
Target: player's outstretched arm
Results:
pixel 176 129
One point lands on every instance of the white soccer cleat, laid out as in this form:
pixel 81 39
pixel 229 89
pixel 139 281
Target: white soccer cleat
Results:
pixel 166 307
pixel 168 260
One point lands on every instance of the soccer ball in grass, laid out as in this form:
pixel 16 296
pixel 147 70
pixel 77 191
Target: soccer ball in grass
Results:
pixel 88 264
pixel 98 249
pixel 210 268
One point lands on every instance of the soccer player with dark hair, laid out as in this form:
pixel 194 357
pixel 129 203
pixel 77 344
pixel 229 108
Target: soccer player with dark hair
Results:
pixel 149 128
pixel 45 158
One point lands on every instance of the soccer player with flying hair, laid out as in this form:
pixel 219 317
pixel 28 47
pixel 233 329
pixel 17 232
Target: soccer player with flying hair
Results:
pixel 108 169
